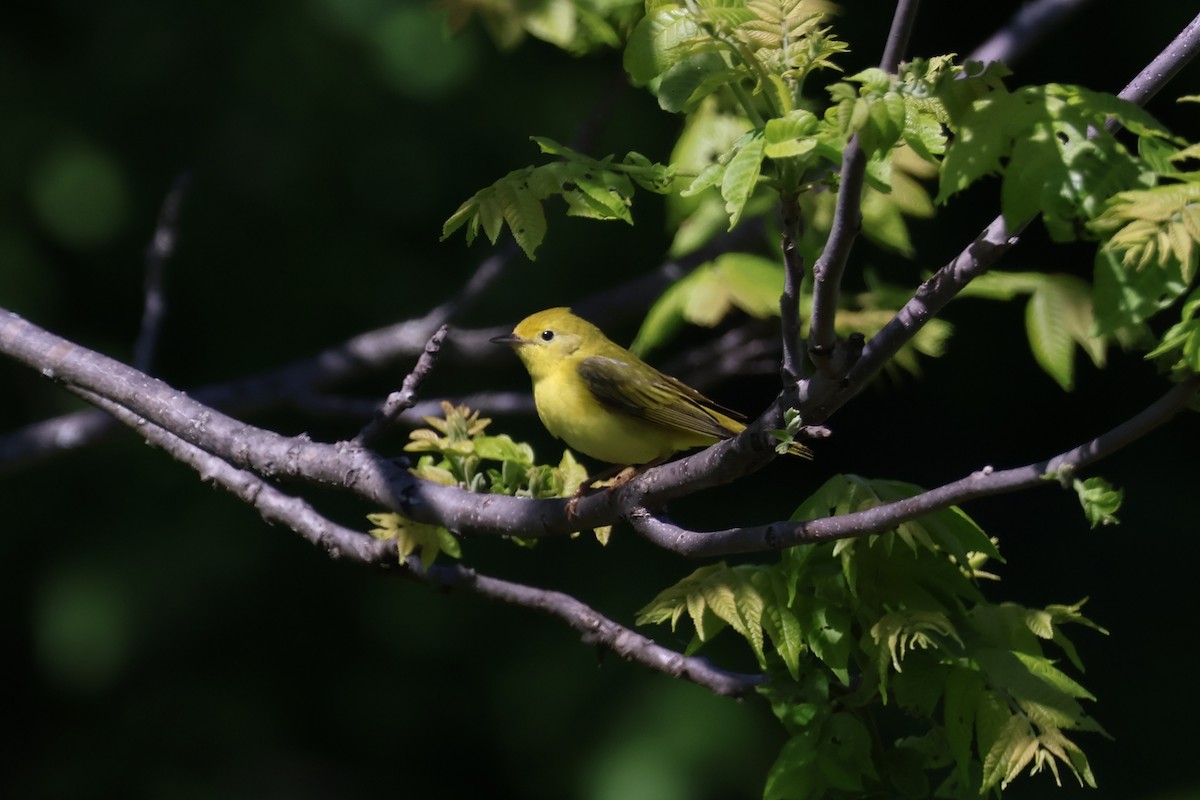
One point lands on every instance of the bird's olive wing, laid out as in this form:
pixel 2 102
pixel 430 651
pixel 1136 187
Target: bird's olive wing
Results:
pixel 641 391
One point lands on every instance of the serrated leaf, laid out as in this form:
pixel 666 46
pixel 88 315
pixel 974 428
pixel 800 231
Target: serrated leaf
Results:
pixel 1043 692
pixel 1013 749
pixel 426 541
pixel 607 193
pixel 524 215
pixel 778 620
pixel 1044 670
pixel 1124 296
pixel 1047 323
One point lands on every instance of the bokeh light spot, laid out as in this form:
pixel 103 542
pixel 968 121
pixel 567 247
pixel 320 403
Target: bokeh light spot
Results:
pixel 79 195
pixel 81 629
pixel 417 57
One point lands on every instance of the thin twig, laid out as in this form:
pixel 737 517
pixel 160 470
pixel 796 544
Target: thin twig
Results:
pixel 158 253
pixel 791 363
pixel 847 221
pixel 986 482
pixel 597 629
pixel 399 402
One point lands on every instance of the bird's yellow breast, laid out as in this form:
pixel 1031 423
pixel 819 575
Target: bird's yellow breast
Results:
pixel 571 413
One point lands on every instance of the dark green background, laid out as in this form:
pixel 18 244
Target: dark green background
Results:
pixel 162 641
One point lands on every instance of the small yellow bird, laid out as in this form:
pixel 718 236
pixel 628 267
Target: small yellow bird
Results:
pixel 607 403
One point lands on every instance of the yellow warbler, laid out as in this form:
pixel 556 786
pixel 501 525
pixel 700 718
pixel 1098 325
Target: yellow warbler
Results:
pixel 607 403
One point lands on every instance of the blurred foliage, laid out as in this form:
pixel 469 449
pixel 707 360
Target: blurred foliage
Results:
pixel 166 643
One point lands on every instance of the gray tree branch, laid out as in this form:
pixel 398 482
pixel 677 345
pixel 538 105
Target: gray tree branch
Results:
pixel 984 483
pixel 339 541
pixel 1028 26
pixel 847 221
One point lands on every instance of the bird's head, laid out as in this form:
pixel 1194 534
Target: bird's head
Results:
pixel 546 339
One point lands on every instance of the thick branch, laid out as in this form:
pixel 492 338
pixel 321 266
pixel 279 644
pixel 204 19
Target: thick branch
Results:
pixel 342 542
pixel 270 455
pixel 1165 66
pixel 983 483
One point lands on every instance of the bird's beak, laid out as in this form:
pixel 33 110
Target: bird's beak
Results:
pixel 510 339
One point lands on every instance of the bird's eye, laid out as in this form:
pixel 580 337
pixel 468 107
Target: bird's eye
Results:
pixel 547 335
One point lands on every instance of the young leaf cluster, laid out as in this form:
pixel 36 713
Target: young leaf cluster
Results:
pixel 684 52
pixel 892 672
pixel 456 451
pixel 1148 256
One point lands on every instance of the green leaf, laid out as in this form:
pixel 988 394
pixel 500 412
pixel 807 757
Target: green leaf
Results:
pixel 1100 500
pixel 779 621
pixel 607 194
pixel 427 541
pixel 844 755
pixel 963 689
pixel 1057 318
pixel 1012 750
pixel 705 296
pixel 796 774
pixel 503 448
pixel 524 216
pixel 790 136
pixel 741 177
pixel 826 630
pixel 1125 297
pixel 663 38
pixel 1043 693
pixel 686 83
pixel 1038 138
